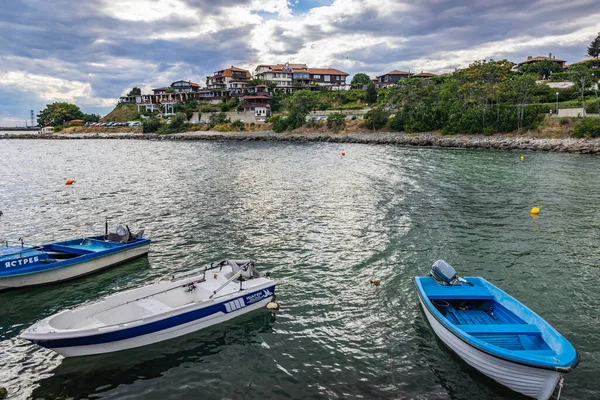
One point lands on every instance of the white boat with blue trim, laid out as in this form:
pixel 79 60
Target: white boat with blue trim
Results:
pixel 157 312
pixel 494 332
pixel 23 266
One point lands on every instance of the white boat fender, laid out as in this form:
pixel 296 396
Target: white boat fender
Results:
pixel 273 305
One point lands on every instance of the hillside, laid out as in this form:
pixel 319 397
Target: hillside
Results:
pixel 122 113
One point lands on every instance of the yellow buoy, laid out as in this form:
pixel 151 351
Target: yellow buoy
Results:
pixel 535 211
pixel 273 306
pixel 215 276
pixel 522 158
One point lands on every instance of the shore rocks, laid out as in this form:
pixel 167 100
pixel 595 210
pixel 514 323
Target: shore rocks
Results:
pixel 498 142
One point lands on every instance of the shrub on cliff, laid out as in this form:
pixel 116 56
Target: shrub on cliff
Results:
pixel 336 121
pixel 397 122
pixel 592 108
pixel 278 123
pixel 587 127
pixel 238 125
pixel 150 125
pixel 375 118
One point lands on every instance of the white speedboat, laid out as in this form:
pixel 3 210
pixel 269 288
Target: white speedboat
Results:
pixel 156 312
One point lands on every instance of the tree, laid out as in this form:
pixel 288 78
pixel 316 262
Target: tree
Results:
pixel 594 47
pixel 375 118
pixel 299 105
pixel 91 117
pixel 136 91
pixel 543 68
pixel 58 113
pixel 519 89
pixel 371 93
pixel 360 79
pixel 582 78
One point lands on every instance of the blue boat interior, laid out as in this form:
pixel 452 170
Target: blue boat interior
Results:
pixel 489 321
pixel 18 259
pixel 487 317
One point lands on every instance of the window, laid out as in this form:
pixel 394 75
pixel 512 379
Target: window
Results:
pixel 317 76
pixel 326 78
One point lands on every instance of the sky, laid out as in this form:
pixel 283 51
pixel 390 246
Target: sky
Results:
pixel 91 52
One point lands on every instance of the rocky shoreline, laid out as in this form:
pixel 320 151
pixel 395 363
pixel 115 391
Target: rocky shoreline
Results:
pixel 498 142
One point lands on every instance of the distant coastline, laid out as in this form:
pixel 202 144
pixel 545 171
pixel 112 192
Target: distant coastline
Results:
pixel 498 142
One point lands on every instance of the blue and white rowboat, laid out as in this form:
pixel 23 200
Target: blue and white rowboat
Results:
pixel 494 332
pixel 156 312
pixel 22 266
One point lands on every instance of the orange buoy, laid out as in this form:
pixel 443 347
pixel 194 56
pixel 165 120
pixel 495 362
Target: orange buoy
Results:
pixel 69 182
pixel 343 153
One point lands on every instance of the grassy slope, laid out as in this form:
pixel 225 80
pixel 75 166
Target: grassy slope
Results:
pixel 122 113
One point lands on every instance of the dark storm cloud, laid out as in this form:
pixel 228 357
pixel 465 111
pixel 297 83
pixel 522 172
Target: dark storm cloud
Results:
pixel 79 41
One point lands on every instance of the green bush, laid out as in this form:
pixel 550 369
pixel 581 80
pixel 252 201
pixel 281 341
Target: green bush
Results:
pixel 150 125
pixel 336 121
pixel 238 125
pixel 58 128
pixel 560 77
pixel 278 123
pixel 397 122
pixel 587 127
pixel 592 108
pixel 219 118
pixel 208 108
pixel 375 118
pixel 564 120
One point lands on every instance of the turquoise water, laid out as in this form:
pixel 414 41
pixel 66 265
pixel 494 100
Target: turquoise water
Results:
pixel 325 225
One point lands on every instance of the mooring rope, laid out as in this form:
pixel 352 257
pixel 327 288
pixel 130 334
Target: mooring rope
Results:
pixel 560 385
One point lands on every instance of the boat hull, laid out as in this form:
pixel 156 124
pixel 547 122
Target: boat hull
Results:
pixel 73 271
pixel 225 313
pixel 533 382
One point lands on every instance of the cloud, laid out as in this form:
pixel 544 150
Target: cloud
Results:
pixel 92 52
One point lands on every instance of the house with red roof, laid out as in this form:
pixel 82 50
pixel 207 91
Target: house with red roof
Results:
pixel 391 78
pixel 222 79
pixel 533 60
pixel 329 77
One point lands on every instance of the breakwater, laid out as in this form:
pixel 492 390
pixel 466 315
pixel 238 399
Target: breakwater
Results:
pixel 498 142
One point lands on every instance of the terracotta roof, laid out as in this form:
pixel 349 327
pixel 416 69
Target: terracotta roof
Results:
pixel 160 88
pixel 229 72
pixel 423 75
pixel 256 97
pixel 188 82
pixel 541 58
pixel 396 72
pixel 327 71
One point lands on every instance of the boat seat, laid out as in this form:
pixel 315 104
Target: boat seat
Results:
pixel 154 306
pixel 502 329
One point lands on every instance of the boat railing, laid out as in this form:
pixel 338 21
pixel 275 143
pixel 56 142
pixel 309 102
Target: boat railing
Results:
pixel 196 271
pixel 21 250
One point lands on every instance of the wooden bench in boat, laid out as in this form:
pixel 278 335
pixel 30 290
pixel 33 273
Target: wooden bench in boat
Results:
pixel 503 329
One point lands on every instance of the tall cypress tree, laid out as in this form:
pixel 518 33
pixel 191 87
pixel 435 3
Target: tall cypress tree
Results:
pixel 594 48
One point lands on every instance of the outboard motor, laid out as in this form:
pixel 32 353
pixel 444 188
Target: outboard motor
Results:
pixel 443 273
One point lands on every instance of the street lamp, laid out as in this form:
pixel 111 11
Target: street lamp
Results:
pixel 556 103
